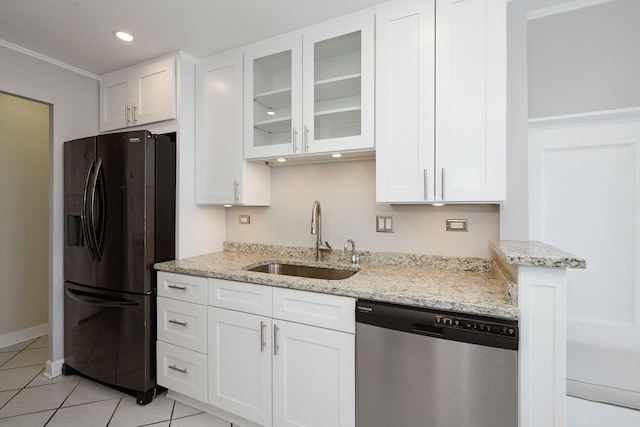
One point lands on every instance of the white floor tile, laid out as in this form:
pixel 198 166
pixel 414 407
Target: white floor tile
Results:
pixel 89 391
pixel 96 414
pixel 180 410
pixel 6 396
pixel 42 342
pixel 4 357
pixel 11 379
pixel 38 419
pixel 200 420
pixel 130 414
pixel 42 380
pixel 17 347
pixel 37 399
pixel 33 357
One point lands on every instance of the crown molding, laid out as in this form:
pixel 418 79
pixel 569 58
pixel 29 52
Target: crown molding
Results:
pixel 562 8
pixel 47 59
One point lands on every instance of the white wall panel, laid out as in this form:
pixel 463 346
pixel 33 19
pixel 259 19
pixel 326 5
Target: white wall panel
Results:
pixel 585 197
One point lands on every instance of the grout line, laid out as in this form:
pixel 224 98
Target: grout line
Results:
pixel 115 409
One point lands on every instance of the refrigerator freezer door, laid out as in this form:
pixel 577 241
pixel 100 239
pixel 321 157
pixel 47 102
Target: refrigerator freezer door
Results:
pixel 79 161
pixel 109 337
pixel 128 165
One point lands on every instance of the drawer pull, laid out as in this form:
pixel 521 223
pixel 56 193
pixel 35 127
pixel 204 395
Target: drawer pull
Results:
pixel 181 288
pixel 175 368
pixel 177 322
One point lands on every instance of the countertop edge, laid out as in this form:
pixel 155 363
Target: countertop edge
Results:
pixel 534 253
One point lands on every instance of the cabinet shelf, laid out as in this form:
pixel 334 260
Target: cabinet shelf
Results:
pixel 338 116
pixel 338 87
pixel 279 125
pixel 278 98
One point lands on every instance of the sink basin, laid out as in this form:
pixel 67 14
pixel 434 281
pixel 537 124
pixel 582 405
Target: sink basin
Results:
pixel 307 271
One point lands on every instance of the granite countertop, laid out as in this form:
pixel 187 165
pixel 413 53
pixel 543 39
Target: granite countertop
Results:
pixel 532 253
pixel 450 283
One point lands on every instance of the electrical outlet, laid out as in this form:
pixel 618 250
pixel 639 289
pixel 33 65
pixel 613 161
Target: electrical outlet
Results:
pixel 457 225
pixel 244 219
pixel 384 223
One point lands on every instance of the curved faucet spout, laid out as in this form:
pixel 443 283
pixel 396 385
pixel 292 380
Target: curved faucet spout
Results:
pixel 316 228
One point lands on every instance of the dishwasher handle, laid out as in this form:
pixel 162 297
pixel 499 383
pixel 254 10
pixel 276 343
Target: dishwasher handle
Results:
pixel 427 330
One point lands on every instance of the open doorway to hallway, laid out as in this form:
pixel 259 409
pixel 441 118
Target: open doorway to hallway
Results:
pixel 25 135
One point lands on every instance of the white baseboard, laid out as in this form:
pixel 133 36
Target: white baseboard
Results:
pixel 53 368
pixel 23 335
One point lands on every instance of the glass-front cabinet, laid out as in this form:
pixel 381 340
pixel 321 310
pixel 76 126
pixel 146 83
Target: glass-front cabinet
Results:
pixel 311 94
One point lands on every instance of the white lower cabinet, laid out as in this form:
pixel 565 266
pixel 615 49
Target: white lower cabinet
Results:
pixel 271 356
pixel 240 364
pixel 313 376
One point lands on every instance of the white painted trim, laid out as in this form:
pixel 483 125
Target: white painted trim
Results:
pixel 53 368
pixel 562 8
pixel 47 59
pixel 592 117
pixel 23 335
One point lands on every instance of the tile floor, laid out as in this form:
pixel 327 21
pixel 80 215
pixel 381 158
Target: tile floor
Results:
pixel 29 399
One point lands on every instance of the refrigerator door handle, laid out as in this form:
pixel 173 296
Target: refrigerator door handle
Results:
pixel 91 208
pixel 99 301
pixel 84 216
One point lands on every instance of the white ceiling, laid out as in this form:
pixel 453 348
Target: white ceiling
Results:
pixel 79 32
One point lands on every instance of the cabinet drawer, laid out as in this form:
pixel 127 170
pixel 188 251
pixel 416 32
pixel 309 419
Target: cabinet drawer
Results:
pixel 182 287
pixel 183 324
pixel 247 297
pixel 182 370
pixel 310 308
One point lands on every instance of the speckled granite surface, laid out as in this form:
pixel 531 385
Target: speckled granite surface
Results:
pixel 450 283
pixel 531 253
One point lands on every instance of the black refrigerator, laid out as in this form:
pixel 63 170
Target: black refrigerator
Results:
pixel 119 205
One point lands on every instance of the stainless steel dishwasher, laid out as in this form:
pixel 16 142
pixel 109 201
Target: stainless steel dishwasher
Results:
pixel 432 368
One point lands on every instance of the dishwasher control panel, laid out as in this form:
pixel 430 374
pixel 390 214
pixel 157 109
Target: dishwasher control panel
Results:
pixel 474 325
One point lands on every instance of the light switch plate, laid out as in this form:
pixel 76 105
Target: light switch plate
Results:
pixel 244 219
pixel 384 223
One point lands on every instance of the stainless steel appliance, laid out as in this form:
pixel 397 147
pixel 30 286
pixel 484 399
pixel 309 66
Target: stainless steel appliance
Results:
pixel 119 203
pixel 433 368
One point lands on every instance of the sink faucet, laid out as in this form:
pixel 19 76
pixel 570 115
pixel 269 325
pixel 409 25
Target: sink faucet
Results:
pixel 316 228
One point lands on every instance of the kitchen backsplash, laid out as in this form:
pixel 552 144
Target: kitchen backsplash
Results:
pixel 346 191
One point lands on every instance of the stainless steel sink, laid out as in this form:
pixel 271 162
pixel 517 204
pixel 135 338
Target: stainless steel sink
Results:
pixel 308 271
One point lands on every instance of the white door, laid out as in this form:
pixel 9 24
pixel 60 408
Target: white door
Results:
pixel 338 86
pixel 218 128
pixel 240 364
pixel 273 99
pixel 115 109
pixel 405 96
pixel 584 184
pixel 313 376
pixel 154 96
pixel 471 100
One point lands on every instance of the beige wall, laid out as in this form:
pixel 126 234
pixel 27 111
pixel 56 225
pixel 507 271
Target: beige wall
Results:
pixel 346 192
pixel 24 208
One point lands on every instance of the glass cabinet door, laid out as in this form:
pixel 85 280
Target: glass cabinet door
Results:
pixel 338 87
pixel 272 100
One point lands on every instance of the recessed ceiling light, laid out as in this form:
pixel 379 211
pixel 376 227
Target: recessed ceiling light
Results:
pixel 438 204
pixel 336 155
pixel 281 160
pixel 125 37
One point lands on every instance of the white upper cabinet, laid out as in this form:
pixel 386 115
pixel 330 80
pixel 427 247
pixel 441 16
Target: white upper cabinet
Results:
pixel 441 101
pixel 273 99
pixel 138 95
pixel 311 94
pixel 471 113
pixel 405 102
pixel 222 175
